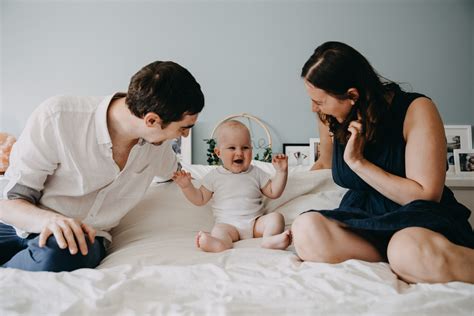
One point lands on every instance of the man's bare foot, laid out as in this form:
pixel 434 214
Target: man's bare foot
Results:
pixel 280 241
pixel 206 242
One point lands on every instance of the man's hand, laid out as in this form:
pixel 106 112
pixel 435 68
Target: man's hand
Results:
pixel 69 232
pixel 280 162
pixel 182 178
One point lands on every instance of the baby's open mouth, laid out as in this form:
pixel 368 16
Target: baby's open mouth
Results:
pixel 238 161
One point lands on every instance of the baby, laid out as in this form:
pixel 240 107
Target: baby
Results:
pixel 236 189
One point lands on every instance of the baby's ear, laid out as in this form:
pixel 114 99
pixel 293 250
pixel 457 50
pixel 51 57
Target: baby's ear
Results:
pixel 217 151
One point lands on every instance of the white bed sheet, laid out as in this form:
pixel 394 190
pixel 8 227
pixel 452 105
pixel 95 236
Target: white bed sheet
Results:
pixel 154 268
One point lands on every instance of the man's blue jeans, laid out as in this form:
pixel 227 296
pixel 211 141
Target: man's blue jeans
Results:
pixel 25 253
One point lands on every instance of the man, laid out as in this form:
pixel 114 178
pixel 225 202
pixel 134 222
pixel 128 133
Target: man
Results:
pixel 82 163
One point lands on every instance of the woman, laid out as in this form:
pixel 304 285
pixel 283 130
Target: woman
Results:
pixel 388 148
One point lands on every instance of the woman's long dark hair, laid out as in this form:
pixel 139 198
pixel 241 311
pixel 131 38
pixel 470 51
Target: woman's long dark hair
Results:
pixel 335 68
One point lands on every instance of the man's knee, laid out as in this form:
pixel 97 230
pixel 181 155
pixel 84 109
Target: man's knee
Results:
pixel 52 258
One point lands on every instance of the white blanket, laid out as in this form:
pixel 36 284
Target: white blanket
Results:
pixel 154 268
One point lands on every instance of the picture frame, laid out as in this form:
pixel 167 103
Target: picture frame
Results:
pixel 464 162
pixel 298 154
pixel 457 137
pixel 314 150
pixel 182 146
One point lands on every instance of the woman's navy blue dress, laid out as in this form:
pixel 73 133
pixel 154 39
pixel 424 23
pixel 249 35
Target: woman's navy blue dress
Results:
pixel 375 217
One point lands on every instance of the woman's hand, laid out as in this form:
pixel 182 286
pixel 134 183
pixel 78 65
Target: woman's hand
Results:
pixel 182 178
pixel 354 152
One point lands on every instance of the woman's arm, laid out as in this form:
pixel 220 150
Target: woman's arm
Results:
pixel 324 160
pixel 425 156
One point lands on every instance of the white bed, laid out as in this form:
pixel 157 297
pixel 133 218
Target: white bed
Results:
pixel 154 268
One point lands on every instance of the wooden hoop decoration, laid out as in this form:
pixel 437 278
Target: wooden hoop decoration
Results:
pixel 250 117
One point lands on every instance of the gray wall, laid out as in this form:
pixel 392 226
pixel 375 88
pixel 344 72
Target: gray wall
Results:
pixel 247 55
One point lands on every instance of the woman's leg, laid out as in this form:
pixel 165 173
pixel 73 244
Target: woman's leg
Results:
pixel 319 239
pixel 418 254
pixel 271 227
pixel 221 238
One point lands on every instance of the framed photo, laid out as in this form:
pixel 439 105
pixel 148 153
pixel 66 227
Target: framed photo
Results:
pixel 314 149
pixel 298 154
pixel 464 161
pixel 457 137
pixel 182 146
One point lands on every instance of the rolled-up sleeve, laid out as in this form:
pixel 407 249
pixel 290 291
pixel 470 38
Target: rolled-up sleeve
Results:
pixel 33 157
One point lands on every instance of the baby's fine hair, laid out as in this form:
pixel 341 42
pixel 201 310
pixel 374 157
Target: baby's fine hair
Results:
pixel 230 124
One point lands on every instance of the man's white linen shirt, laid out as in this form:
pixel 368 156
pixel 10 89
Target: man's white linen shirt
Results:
pixel 65 152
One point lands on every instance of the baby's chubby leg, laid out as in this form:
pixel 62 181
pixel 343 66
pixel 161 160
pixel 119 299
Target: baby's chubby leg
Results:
pixel 270 227
pixel 221 238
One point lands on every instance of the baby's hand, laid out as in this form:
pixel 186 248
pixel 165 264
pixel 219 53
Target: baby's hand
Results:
pixel 182 178
pixel 280 162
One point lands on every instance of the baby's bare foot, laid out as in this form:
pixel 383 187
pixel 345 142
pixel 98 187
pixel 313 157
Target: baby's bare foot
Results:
pixel 207 242
pixel 280 241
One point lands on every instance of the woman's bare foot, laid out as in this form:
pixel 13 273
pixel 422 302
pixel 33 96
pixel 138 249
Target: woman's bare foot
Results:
pixel 280 241
pixel 207 242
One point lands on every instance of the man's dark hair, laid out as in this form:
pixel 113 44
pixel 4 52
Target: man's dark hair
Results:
pixel 165 88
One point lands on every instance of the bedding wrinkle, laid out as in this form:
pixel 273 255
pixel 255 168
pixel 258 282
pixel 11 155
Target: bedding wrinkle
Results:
pixel 153 268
